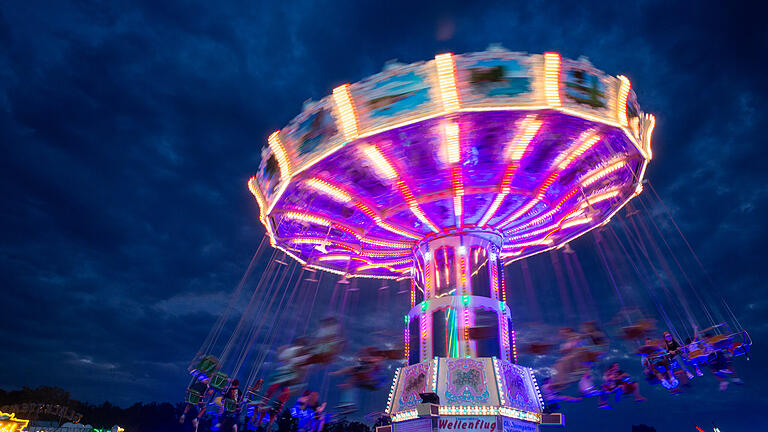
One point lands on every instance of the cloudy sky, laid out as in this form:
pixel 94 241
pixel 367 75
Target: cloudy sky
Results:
pixel 129 129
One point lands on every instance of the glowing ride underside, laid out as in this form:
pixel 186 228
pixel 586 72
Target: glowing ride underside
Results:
pixel 441 172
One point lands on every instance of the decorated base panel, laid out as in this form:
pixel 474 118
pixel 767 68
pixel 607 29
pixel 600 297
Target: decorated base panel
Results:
pixel 476 394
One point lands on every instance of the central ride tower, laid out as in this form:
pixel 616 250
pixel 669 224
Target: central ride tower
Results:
pixel 459 343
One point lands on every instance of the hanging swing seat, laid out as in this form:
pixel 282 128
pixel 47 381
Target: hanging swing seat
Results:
pixel 698 357
pixel 230 405
pixel 205 367
pixel 742 343
pixel 737 349
pixel 219 381
pixel 719 342
pixel 193 397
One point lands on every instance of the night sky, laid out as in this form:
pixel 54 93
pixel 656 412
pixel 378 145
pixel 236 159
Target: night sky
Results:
pixel 129 130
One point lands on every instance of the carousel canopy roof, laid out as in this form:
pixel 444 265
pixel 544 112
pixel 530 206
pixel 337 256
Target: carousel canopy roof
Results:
pixel 535 147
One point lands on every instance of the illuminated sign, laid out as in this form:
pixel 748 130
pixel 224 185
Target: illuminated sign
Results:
pixel 9 423
pixel 43 408
pixel 473 423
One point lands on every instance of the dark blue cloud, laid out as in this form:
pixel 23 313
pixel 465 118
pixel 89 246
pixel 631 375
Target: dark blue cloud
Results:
pixel 128 131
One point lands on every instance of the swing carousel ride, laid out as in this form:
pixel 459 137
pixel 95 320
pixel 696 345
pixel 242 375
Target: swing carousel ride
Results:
pixel 439 174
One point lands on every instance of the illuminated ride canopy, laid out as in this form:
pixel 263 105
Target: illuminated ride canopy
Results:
pixel 535 149
pixel 440 172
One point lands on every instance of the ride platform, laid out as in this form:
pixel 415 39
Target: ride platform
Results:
pixel 464 394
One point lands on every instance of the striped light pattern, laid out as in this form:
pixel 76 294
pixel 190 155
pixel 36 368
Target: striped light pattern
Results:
pixel 532 233
pixel 446 78
pixel 414 206
pixel 392 388
pixel 467 323
pixel 499 383
pixel 310 240
pixel 416 210
pixel 280 154
pixel 528 129
pixel 621 108
pixel 334 258
pixel 394 229
pixel 540 192
pixel 584 143
pixel 343 100
pixel 259 199
pixel 602 173
pixel 492 209
pixel 541 218
pixel 651 119
pixel 325 258
pixel 427 276
pixel 387 226
pixel 594 199
pixel 423 329
pixel 307 217
pixel 503 289
pixel 384 243
pixel 329 189
pixel 380 162
pixel 435 365
pixel 407 340
pixel 457 184
pixel 545 241
pixel 374 266
pixel 575 222
pixel 520 211
pixel 493 263
pixel 452 147
pixel 504 190
pixel 536 387
pixel 514 346
pixel 396 262
pixel 552 79
pixel 512 254
pixel 382 253
pixel 566 222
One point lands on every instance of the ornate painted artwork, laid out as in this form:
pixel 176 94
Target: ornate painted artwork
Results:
pixel 519 394
pixel 466 381
pixel 498 78
pixel 585 88
pixel 414 381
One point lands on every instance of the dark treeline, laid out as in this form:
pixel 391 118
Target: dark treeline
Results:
pixel 140 417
